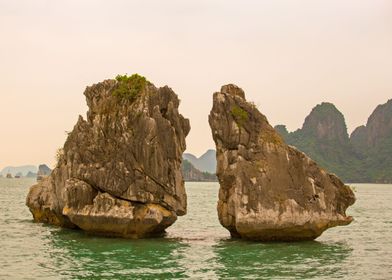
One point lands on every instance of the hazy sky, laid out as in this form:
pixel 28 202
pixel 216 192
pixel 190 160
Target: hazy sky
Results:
pixel 287 55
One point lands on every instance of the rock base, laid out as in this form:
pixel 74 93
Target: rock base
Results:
pixel 96 212
pixel 109 216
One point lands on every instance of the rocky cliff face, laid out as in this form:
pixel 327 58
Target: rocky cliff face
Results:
pixel 365 157
pixel 373 144
pixel 324 138
pixel 268 190
pixel 325 122
pixel 378 127
pixel 119 172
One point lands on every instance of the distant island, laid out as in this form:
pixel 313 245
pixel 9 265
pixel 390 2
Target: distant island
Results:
pixel 26 171
pixel 363 157
pixel 192 174
pixel 200 169
pixel 205 163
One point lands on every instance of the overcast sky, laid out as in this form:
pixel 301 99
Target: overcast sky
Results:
pixel 287 55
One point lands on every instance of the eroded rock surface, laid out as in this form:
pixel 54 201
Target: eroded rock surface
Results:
pixel 119 173
pixel 269 191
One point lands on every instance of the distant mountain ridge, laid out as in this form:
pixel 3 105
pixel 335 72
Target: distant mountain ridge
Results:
pixel 205 163
pixel 365 156
pixel 377 129
pixel 31 175
pixel 26 170
pixel 192 174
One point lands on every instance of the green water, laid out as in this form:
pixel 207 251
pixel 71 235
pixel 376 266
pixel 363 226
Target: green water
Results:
pixel 196 246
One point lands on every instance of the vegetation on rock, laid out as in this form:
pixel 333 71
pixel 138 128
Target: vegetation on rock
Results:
pixel 239 114
pixel 59 155
pixel 269 191
pixel 129 87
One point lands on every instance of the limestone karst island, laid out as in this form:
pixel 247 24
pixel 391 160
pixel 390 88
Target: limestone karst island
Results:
pixel 196 140
pixel 119 173
pixel 269 191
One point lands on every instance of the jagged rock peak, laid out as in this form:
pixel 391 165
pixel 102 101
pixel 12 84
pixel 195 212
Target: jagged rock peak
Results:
pixel 378 127
pixel 119 173
pixel 44 170
pixel 233 90
pixel 205 163
pixel 269 191
pixel 325 121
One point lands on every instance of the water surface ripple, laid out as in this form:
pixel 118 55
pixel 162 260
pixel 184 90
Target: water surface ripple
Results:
pixel 196 246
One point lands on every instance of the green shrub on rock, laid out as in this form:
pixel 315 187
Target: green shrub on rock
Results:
pixel 240 115
pixel 129 87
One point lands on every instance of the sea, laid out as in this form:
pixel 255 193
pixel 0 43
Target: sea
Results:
pixel 196 246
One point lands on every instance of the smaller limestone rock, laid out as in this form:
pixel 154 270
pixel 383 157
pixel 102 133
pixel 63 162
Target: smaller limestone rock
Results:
pixel 269 191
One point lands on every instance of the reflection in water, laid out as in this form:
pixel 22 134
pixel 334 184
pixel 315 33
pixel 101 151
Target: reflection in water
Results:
pixel 79 255
pixel 282 260
pixel 200 261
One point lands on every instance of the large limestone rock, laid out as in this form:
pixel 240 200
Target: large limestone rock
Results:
pixel 269 191
pixel 119 173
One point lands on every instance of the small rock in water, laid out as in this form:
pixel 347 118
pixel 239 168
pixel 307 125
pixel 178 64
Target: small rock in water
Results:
pixel 119 173
pixel 269 191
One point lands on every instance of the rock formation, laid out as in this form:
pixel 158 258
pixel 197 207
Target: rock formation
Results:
pixel 324 138
pixel 43 172
pixel 377 129
pixel 119 173
pixel 269 191
pixel 373 143
pixel 325 121
pixel 365 157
